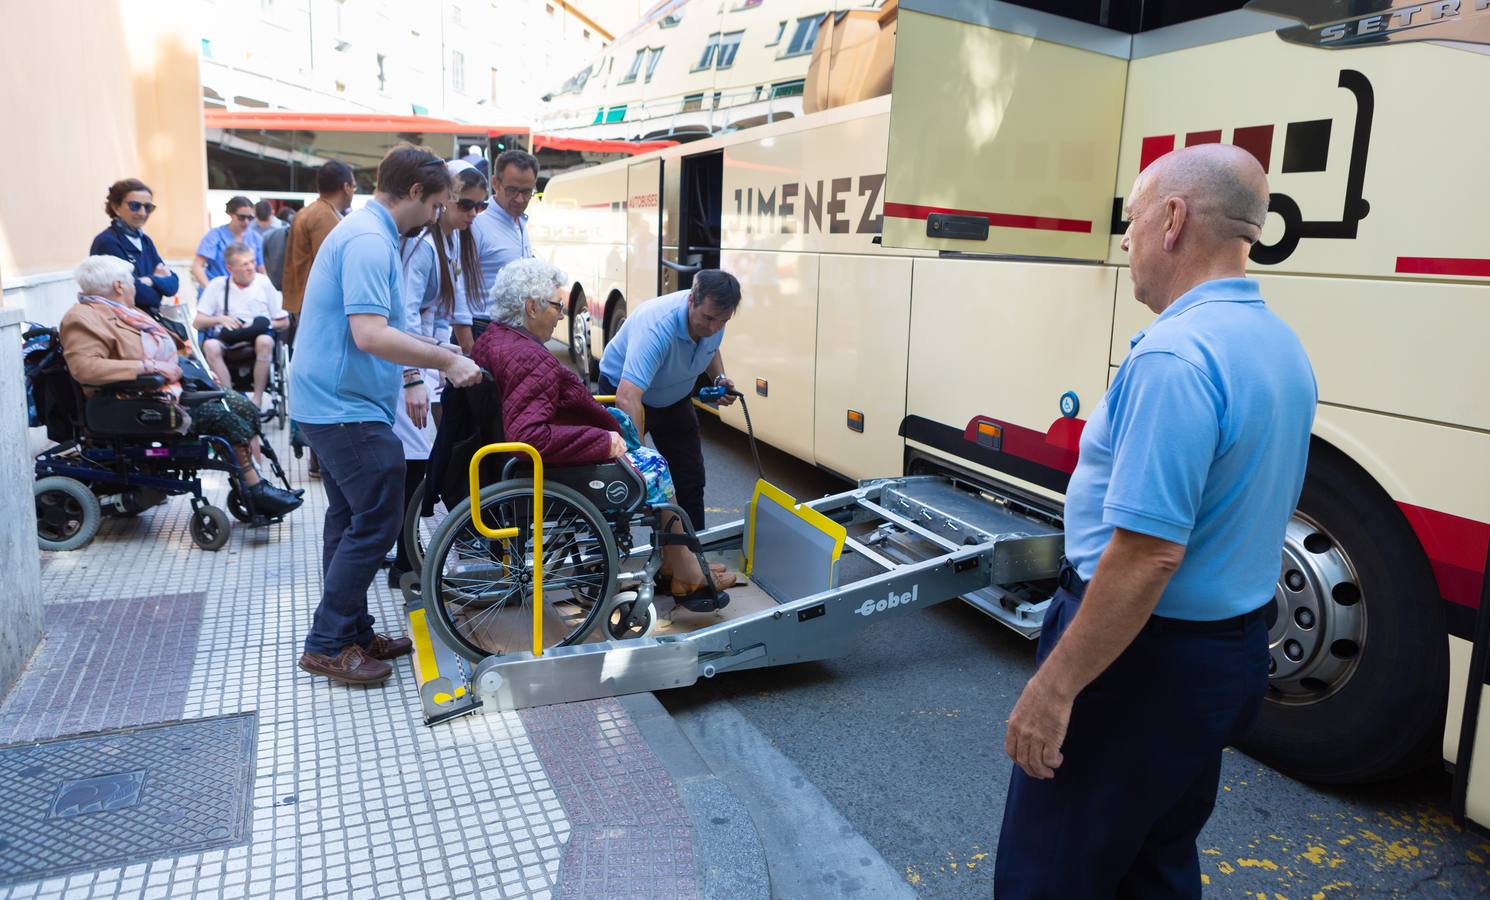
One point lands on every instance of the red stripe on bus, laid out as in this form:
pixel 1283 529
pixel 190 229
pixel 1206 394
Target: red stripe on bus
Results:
pixel 1456 551
pixel 1055 448
pixel 998 220
pixel 1154 147
pixel 1443 265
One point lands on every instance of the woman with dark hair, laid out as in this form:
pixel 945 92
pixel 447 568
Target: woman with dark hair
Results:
pixel 462 287
pixel 128 205
pixel 441 270
pixel 209 262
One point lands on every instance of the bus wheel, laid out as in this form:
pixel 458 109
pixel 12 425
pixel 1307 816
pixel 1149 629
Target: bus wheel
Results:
pixel 579 332
pixel 614 320
pixel 1357 638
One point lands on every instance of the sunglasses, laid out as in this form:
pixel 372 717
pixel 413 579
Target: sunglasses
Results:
pixel 244 217
pixel 472 205
pixel 559 307
pixel 135 206
pixel 517 193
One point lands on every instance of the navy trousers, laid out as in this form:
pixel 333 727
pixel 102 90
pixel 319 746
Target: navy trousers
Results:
pixel 1142 760
pixel 362 470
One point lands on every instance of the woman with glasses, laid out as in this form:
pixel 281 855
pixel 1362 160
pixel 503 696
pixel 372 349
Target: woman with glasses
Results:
pixel 209 262
pixel 128 206
pixel 546 405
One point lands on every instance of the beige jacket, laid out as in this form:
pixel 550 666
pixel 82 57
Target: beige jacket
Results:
pixel 100 348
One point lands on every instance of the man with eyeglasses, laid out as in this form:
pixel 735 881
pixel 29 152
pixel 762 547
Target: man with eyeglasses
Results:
pixel 502 230
pixel 209 262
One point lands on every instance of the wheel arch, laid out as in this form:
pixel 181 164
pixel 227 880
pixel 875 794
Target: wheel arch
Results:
pixel 1371 472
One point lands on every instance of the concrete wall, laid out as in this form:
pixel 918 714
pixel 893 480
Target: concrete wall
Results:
pixel 98 90
pixel 20 602
pixel 95 91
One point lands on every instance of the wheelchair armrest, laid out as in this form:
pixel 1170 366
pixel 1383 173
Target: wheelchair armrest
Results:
pixel 196 398
pixel 138 383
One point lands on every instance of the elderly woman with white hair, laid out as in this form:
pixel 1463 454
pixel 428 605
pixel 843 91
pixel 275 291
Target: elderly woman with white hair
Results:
pixel 106 339
pixel 546 405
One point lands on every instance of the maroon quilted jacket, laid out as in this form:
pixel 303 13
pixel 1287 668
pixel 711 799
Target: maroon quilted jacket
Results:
pixel 544 403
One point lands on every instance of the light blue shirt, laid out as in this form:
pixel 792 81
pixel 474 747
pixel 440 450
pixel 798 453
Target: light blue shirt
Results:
pixel 654 352
pixel 218 239
pixel 356 271
pixel 421 286
pixel 1200 440
pixel 499 240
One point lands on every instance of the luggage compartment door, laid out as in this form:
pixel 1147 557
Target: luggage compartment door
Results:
pixel 1004 131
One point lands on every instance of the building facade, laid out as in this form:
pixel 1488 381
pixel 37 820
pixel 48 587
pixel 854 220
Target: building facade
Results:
pixel 467 60
pixel 691 69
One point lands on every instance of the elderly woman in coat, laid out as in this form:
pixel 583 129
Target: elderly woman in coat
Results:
pixel 546 405
pixel 106 339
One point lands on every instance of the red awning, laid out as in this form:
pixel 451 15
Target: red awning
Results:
pixel 587 145
pixel 281 120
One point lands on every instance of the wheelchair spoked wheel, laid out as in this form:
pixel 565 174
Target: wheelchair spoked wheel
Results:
pixel 238 507
pixel 478 592
pixel 67 513
pixel 419 531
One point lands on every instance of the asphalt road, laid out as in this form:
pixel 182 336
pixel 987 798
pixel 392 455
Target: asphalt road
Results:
pixel 884 770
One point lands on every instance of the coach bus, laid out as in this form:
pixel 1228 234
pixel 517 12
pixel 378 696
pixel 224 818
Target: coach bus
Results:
pixel 933 282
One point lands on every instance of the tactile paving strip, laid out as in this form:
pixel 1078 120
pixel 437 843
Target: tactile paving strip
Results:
pixel 127 796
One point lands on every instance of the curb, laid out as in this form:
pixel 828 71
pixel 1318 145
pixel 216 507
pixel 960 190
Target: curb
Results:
pixel 728 852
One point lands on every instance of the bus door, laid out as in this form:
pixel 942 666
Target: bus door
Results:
pixel 691 229
pixel 643 226
pixel 1008 179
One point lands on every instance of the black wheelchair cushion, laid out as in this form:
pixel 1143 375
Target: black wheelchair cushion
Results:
pixel 110 416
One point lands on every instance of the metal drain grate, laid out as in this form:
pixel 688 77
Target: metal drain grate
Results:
pixel 121 797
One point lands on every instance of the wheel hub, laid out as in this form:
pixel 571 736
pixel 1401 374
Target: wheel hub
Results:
pixel 1317 622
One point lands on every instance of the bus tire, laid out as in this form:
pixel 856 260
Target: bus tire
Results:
pixel 615 317
pixel 1359 695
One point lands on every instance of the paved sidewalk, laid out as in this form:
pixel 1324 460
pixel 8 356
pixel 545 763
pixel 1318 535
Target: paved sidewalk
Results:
pixel 351 795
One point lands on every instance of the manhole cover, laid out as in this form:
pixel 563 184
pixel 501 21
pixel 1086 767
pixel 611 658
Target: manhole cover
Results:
pixel 121 797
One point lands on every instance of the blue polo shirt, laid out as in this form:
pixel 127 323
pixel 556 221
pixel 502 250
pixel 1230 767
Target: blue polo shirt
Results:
pixel 218 239
pixel 1200 440
pixel 654 352
pixel 356 271
pixel 499 240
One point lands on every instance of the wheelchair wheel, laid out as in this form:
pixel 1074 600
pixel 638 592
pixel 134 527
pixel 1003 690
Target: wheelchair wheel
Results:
pixel 67 513
pixel 479 592
pixel 237 507
pixel 209 528
pixel 418 531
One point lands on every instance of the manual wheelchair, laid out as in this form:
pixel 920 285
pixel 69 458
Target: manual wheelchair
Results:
pixel 122 451
pixel 494 559
pixel 239 359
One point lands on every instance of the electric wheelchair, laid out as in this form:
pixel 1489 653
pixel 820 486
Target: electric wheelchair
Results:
pixel 122 451
pixel 479 583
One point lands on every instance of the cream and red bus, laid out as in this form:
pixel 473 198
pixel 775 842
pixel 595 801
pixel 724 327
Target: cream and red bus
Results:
pixel 933 282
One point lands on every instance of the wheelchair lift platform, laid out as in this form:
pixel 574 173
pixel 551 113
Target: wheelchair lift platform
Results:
pixel 918 540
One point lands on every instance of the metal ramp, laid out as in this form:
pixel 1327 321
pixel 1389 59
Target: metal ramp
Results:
pixel 929 539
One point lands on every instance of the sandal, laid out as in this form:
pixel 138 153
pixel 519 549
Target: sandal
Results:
pixel 702 599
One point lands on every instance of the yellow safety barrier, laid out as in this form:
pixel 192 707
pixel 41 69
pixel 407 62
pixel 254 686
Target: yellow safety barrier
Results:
pixel 505 533
pixel 603 398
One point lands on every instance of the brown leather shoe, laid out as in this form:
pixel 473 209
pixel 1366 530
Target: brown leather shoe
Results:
pixel 385 647
pixel 351 666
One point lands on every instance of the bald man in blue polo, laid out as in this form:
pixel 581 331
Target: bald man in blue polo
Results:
pixel 1154 651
